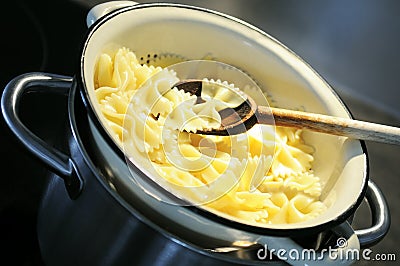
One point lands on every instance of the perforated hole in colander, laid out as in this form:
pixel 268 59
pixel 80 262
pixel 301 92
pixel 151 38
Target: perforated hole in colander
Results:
pixel 161 59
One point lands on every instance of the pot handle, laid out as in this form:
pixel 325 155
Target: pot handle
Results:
pixel 57 161
pixel 103 9
pixel 380 217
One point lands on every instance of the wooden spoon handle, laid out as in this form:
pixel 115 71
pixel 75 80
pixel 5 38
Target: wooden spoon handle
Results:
pixel 329 124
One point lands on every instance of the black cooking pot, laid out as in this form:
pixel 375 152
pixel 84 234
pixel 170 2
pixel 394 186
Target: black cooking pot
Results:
pixel 92 213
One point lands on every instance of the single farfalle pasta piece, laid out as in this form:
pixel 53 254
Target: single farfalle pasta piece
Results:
pixel 291 155
pixel 306 182
pixel 222 91
pixel 150 98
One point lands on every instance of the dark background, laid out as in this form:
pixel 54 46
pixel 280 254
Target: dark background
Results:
pixel 353 44
pixel 36 36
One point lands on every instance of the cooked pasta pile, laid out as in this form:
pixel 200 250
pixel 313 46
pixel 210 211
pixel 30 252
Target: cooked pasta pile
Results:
pixel 264 176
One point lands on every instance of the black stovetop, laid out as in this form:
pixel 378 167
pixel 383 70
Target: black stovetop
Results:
pixel 44 36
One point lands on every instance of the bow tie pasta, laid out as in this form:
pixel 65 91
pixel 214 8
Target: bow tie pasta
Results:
pixel 264 176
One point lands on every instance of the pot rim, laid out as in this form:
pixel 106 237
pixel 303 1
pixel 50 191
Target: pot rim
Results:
pixel 231 223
